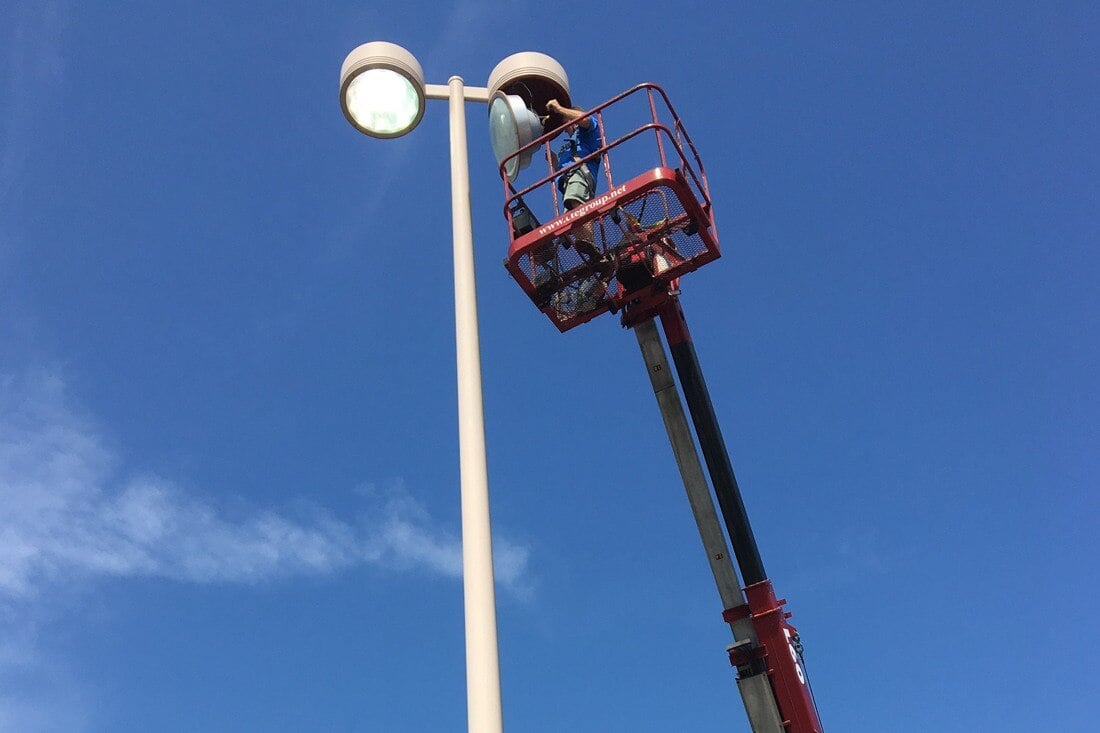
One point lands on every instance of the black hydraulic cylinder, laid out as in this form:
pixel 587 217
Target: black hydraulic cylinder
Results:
pixel 711 443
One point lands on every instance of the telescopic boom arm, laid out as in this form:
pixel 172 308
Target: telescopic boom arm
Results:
pixel 766 649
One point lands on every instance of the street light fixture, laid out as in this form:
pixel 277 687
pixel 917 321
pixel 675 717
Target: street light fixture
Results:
pixel 382 94
pixel 382 89
pixel 512 126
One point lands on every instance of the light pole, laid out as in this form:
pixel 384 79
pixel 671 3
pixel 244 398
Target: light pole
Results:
pixel 382 94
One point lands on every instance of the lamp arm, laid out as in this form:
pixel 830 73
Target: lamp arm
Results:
pixel 469 94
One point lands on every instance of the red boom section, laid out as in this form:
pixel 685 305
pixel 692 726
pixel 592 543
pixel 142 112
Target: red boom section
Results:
pixel 779 649
pixel 633 238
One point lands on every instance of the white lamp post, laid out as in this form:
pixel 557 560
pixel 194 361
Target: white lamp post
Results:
pixel 382 93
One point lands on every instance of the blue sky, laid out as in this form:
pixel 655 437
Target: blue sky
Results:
pixel 228 450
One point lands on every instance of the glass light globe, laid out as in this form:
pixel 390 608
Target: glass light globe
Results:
pixel 504 135
pixel 383 102
pixel 512 126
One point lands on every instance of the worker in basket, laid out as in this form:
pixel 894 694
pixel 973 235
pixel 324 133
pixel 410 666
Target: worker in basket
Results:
pixel 577 186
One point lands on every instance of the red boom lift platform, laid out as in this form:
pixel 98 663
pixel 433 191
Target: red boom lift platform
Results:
pixel 624 251
pixel 640 234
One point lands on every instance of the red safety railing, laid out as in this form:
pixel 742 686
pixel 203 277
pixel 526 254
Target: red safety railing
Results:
pixel 638 235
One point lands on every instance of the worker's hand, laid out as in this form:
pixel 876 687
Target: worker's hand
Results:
pixel 553 106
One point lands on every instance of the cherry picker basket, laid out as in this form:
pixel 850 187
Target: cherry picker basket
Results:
pixel 630 240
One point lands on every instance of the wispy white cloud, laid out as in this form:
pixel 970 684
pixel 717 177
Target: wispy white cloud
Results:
pixel 66 513
pixel 69 517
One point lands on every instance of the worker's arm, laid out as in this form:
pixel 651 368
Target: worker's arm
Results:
pixel 571 114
